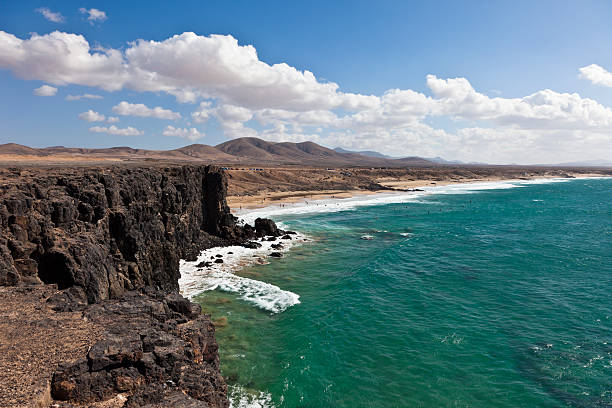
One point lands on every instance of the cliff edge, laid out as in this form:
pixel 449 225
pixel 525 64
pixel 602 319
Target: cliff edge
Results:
pixel 105 243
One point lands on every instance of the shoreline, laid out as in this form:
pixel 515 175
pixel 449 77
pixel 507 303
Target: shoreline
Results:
pixel 197 278
pixel 242 204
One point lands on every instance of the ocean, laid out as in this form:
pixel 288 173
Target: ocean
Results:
pixel 477 295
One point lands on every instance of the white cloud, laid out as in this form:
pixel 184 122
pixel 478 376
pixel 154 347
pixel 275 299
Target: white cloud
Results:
pixel 597 75
pixel 112 119
pixel 45 90
pixel 186 133
pixel 114 130
pixel 138 109
pixel 544 109
pixel 187 66
pixel 93 15
pixel 62 59
pixel 204 113
pixel 92 116
pixel 248 97
pixel 55 17
pixel 83 96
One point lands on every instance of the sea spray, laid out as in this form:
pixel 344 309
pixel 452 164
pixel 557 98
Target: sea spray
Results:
pixel 221 276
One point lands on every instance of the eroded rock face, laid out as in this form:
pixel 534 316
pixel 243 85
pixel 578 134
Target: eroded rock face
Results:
pixel 109 229
pixel 110 238
pixel 157 347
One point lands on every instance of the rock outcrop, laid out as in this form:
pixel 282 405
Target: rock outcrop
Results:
pixel 157 347
pixel 110 229
pixel 110 238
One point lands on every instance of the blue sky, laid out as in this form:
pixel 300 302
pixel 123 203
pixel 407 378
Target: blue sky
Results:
pixel 504 79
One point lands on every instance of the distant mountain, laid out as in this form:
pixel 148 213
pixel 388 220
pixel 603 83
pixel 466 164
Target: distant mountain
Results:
pixel 369 153
pixel 242 151
pixel 440 160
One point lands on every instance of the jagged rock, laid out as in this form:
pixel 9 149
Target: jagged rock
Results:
pixel 277 246
pixel 110 238
pixel 251 245
pixel 156 347
pixel 265 227
pixel 183 306
pixel 286 236
pixel 69 300
pixel 219 261
pixel 109 229
pixel 276 254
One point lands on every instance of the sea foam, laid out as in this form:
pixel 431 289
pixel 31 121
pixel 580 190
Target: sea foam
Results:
pixel 307 206
pixel 220 276
pixel 240 398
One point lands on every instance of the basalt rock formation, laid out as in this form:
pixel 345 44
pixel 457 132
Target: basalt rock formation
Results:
pixel 108 230
pixel 111 239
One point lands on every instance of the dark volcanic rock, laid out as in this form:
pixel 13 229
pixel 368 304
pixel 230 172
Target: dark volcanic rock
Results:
pixel 109 230
pixel 276 254
pixel 158 348
pixel 264 227
pixel 111 239
pixel 251 245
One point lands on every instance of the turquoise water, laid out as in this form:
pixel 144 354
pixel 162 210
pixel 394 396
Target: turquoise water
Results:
pixel 494 298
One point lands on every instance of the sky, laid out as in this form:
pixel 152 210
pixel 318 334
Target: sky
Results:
pixel 489 81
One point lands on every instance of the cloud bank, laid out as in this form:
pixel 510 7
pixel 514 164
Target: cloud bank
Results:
pixel 249 97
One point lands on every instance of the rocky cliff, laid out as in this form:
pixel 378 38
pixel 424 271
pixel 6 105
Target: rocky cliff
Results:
pixel 110 239
pixel 109 229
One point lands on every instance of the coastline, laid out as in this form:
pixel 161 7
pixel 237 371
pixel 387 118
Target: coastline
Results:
pixel 197 278
pixel 243 203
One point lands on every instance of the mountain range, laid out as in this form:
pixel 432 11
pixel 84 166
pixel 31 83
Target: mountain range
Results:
pixel 243 151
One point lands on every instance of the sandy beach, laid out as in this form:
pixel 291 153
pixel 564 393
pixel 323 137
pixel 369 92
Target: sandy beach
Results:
pixel 247 200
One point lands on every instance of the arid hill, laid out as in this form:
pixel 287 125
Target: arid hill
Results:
pixel 246 151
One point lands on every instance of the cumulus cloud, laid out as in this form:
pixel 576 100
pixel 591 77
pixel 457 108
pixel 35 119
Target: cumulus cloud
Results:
pixel 597 75
pixel 112 119
pixel 187 66
pixel 62 59
pixel 114 130
pixel 83 96
pixel 54 17
pixel 138 109
pixel 185 133
pixel 543 109
pixel 248 97
pixel 45 90
pixel 93 15
pixel 92 116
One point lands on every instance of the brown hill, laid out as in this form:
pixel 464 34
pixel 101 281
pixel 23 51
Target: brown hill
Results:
pixel 243 151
